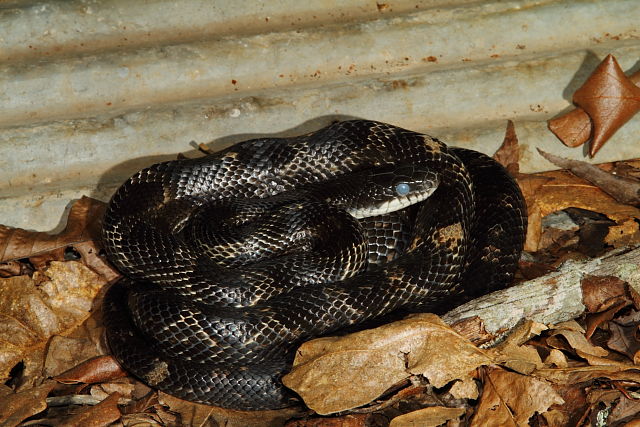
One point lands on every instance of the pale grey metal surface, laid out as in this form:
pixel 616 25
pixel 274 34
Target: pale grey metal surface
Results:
pixel 93 91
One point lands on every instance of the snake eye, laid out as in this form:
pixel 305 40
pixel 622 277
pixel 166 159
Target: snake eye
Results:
pixel 402 189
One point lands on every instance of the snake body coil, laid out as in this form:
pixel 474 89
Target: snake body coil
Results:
pixel 215 319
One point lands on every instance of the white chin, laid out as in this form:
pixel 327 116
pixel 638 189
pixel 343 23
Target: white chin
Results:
pixel 391 206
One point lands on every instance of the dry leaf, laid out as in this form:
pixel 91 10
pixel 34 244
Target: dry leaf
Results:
pixel 555 418
pixel 530 184
pixel 196 414
pixel 624 190
pixel 609 98
pixel 600 293
pixel 522 359
pixel 557 358
pixel 33 310
pixel 624 340
pixel 145 420
pixel 575 399
pixel 576 340
pixel 508 155
pixel 575 127
pixel 81 233
pixel 101 368
pixel 191 413
pixel 583 374
pixel 564 190
pixel 531 270
pixel 17 407
pixel 125 389
pixel 594 360
pixel 510 399
pixel 624 411
pixel 339 373
pixel 63 353
pixel 349 420
pixel 572 129
pixel 141 400
pixel 103 414
pixel 593 321
pixel 631 318
pixel 472 328
pixel 512 352
pixel 428 417
pixel 465 388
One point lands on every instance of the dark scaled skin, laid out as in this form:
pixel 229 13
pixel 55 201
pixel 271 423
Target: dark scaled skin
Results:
pixel 188 325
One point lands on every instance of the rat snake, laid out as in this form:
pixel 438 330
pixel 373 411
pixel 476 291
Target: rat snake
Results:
pixel 214 304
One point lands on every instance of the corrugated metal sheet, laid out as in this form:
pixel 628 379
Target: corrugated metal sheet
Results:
pixel 94 90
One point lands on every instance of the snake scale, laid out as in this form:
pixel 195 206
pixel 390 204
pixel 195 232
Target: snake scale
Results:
pixel 213 304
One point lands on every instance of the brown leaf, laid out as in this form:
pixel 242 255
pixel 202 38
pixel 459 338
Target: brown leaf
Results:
pixel 593 321
pixel 89 251
pixel 196 414
pixel 530 185
pixel 628 168
pixel 19 406
pixel 555 418
pixel 103 414
pixel 14 268
pixel 596 400
pixel 508 155
pixel 599 293
pixel 83 224
pixel 141 402
pixel 33 310
pixel 339 373
pixel 624 190
pixel 472 328
pixel 466 388
pixel 624 410
pixel 608 361
pixel 584 374
pixel 557 358
pixel 126 389
pixel 510 399
pixel 428 417
pixel 631 318
pixel 63 353
pixel 514 354
pixel 531 270
pixel 349 420
pixel 101 368
pixel 574 335
pixel 82 231
pixel 623 339
pixel 575 399
pixel 534 229
pixel 609 98
pixel 563 190
pixel 572 129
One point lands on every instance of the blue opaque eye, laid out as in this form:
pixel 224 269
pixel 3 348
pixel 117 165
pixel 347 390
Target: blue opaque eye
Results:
pixel 402 189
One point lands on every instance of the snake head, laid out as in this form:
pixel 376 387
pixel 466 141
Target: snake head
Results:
pixel 390 188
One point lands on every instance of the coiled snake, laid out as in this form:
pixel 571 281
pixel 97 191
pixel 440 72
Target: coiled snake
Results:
pixel 215 302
